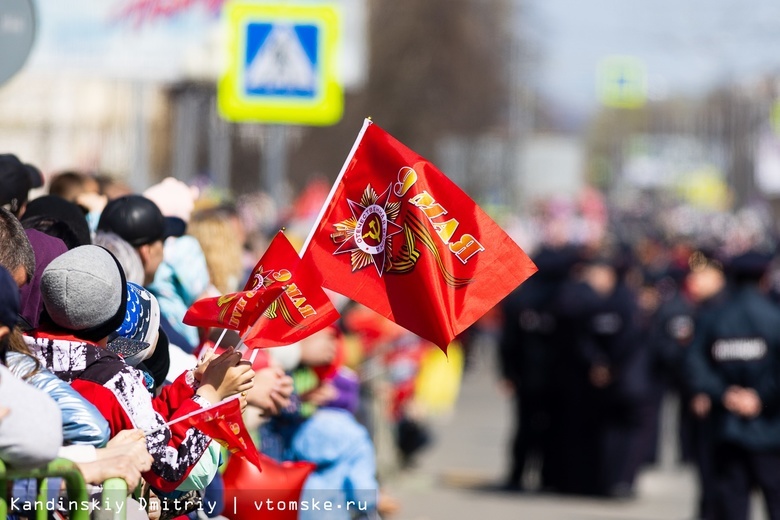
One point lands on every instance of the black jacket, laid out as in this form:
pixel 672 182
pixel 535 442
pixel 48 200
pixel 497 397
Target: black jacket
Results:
pixel 738 343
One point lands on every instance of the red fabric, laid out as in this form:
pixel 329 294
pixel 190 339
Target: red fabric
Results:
pixel 246 488
pixel 173 396
pixel 235 311
pixel 120 419
pixel 303 310
pixel 402 239
pixel 119 393
pixel 223 423
pixel 308 204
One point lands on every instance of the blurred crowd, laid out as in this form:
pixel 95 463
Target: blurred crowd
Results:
pixel 634 304
pixel 95 280
pixel 637 302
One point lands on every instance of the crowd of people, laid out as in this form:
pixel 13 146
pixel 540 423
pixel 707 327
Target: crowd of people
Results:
pixel 615 322
pixel 97 363
pixel 625 310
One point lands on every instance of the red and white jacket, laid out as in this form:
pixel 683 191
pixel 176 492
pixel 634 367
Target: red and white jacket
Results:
pixel 118 391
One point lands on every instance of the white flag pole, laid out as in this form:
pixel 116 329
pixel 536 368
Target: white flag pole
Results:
pixel 213 349
pixel 366 122
pixel 185 417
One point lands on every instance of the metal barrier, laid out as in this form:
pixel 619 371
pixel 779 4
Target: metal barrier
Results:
pixel 112 504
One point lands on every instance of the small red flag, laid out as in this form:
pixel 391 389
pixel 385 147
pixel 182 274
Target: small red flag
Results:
pixel 223 423
pixel 303 309
pixel 402 239
pixel 236 311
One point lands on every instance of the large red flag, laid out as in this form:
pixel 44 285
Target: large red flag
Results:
pixel 303 309
pixel 399 237
pixel 223 423
pixel 235 311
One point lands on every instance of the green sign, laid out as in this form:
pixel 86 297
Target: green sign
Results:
pixel 622 82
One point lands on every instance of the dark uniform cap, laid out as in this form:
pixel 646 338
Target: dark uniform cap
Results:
pixel 138 221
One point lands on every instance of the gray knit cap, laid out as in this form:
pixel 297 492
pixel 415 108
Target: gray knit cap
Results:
pixel 84 291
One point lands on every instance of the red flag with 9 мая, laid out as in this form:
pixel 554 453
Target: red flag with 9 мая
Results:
pixel 302 310
pixel 235 311
pixel 402 239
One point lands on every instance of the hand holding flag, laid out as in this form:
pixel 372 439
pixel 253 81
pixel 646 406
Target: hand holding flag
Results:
pixel 399 237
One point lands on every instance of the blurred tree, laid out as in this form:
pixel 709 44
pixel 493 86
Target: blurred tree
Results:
pixel 437 67
pixel 728 118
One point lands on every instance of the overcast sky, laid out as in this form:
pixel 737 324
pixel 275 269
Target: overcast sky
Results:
pixel 686 45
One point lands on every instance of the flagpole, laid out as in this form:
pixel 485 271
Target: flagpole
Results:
pixel 366 123
pixel 241 347
pixel 185 417
pixel 214 348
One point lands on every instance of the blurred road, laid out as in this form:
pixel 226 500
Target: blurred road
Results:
pixel 454 478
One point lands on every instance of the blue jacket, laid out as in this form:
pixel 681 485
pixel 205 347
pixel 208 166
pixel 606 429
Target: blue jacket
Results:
pixel 82 423
pixel 346 465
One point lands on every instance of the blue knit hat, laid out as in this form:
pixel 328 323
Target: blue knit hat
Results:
pixel 136 338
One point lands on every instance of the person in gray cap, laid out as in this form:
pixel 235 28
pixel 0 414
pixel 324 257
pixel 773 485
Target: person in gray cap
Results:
pixel 85 296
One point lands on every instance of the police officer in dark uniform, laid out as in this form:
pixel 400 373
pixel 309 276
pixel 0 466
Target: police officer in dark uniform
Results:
pixel 706 289
pixel 528 357
pixel 600 309
pixel 734 363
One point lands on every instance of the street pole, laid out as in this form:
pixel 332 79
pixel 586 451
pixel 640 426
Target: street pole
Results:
pixel 274 163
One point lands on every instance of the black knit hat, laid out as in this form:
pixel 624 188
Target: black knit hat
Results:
pixel 16 181
pixel 58 209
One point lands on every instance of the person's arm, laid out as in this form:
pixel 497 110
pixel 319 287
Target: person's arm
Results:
pixel 31 432
pixel 126 403
pixel 700 376
pixel 510 342
pixel 81 421
pixel 173 396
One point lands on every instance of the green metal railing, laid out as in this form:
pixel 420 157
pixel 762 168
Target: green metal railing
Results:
pixel 112 504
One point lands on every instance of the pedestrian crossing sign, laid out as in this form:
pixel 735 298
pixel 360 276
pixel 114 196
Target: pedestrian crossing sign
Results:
pixel 622 82
pixel 281 64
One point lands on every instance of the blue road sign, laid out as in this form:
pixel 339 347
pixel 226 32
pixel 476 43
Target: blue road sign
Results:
pixel 282 65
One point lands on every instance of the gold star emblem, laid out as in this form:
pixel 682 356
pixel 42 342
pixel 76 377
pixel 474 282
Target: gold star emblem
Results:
pixel 367 235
